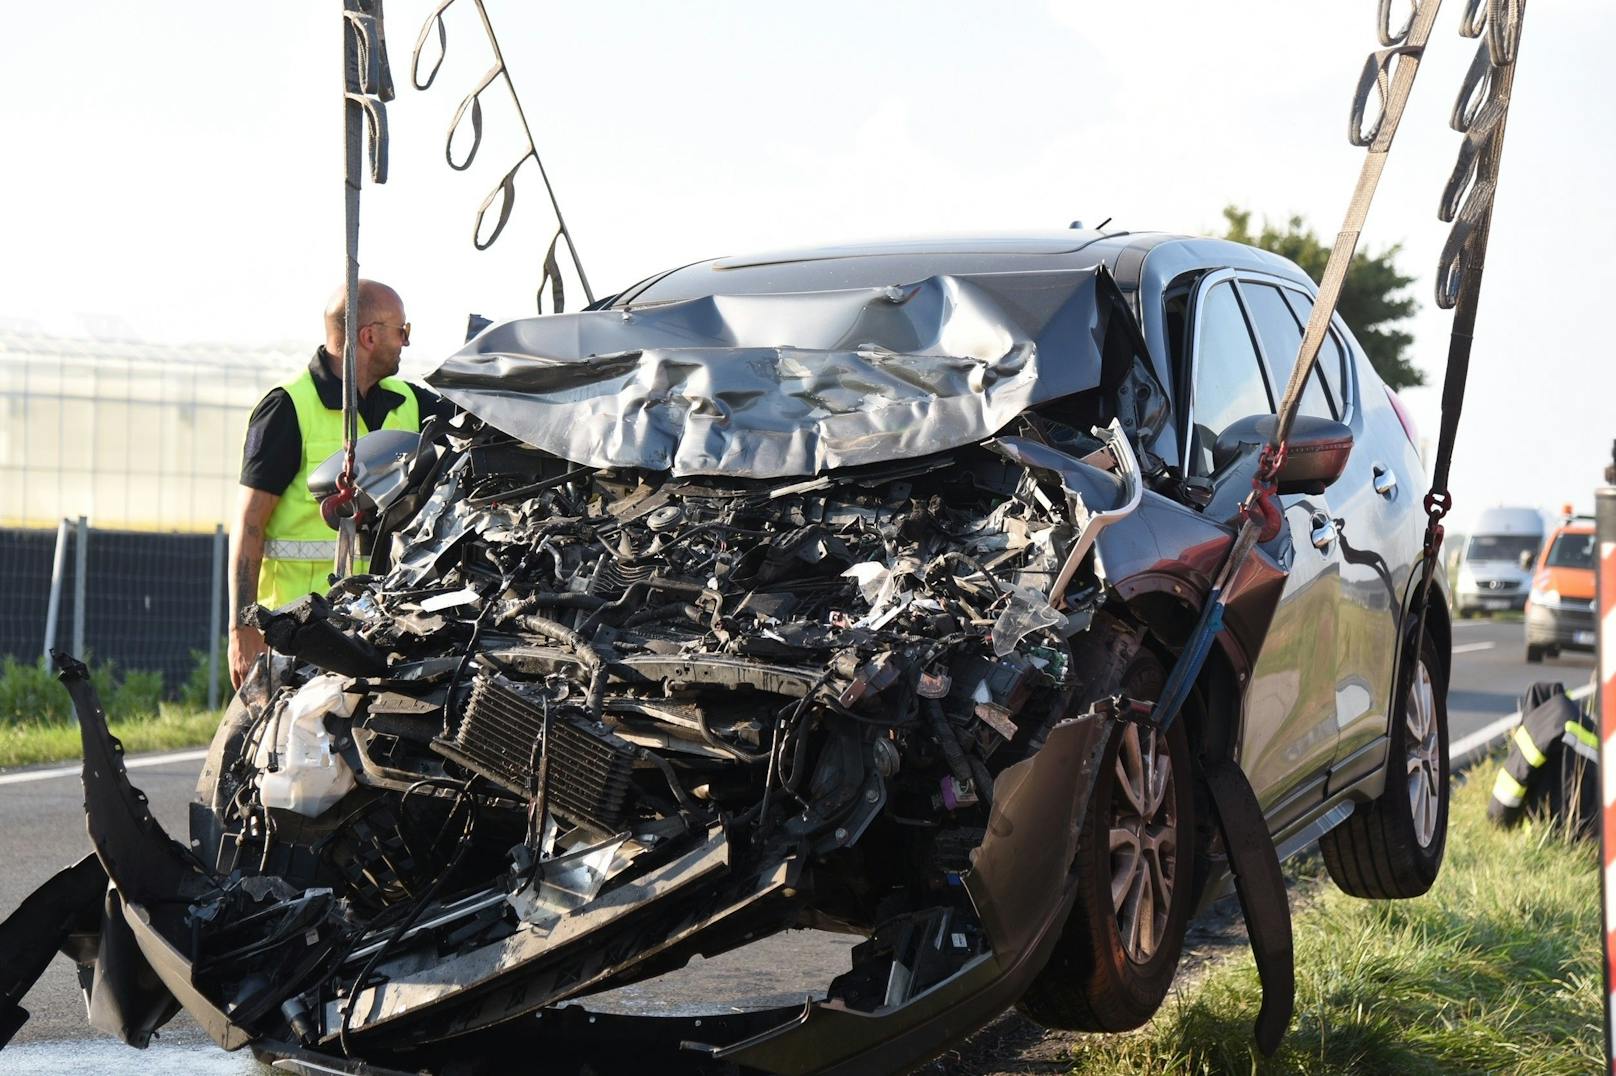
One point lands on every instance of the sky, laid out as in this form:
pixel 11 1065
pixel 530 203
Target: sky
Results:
pixel 174 169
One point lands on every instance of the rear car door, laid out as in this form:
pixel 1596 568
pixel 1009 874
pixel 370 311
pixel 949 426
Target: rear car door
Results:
pixel 1288 734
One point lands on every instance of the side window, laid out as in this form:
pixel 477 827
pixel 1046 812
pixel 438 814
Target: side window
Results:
pixel 1331 364
pixel 1281 336
pixel 1228 375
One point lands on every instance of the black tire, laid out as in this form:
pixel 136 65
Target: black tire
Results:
pixel 1093 982
pixel 1534 653
pixel 1389 849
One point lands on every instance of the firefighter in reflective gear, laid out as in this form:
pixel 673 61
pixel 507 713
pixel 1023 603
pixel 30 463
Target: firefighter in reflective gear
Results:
pixel 1553 762
pixel 280 548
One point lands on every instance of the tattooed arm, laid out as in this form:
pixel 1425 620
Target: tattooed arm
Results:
pixel 246 557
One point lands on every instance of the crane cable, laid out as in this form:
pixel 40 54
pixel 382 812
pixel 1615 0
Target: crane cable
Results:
pixel 367 86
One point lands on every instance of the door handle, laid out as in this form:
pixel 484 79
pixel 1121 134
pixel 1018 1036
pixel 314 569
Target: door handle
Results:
pixel 1323 532
pixel 1385 480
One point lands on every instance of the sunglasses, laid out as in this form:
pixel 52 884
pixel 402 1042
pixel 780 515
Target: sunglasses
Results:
pixel 403 329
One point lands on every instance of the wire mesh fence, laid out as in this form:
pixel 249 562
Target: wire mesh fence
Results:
pixel 148 602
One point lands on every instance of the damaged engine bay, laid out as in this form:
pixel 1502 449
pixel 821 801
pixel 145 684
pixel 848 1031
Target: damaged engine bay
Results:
pixel 782 704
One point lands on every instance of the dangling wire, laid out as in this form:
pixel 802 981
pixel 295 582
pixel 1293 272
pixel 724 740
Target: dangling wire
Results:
pixel 504 193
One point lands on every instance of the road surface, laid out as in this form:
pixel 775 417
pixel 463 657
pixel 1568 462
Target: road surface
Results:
pixel 42 829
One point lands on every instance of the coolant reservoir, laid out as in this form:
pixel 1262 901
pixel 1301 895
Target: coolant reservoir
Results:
pixel 308 776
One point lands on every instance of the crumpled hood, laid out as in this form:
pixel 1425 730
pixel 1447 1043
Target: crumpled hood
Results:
pixel 764 386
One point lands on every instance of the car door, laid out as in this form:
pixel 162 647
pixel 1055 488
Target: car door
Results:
pixel 1371 502
pixel 1288 731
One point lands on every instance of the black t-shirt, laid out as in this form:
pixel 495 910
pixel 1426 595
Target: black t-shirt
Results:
pixel 273 451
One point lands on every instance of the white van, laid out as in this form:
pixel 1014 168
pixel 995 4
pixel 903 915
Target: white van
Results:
pixel 1495 568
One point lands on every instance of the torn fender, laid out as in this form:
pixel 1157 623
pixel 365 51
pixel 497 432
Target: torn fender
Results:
pixel 1167 549
pixel 142 970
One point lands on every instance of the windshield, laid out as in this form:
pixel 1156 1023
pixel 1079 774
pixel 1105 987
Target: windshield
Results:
pixel 1507 547
pixel 1572 551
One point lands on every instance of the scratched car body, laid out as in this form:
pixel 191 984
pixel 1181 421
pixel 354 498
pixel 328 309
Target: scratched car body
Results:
pixel 826 590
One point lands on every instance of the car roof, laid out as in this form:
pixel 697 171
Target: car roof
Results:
pixel 905 260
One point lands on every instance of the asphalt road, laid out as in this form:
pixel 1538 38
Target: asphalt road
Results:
pixel 42 829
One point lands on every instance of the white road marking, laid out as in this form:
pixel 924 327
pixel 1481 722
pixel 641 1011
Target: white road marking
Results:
pixel 139 762
pixel 1483 737
pixel 1470 648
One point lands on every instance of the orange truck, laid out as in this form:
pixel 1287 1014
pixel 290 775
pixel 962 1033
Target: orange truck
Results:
pixel 1560 607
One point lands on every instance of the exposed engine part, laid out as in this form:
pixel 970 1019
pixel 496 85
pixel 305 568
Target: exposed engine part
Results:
pixel 501 736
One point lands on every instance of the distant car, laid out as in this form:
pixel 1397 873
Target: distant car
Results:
pixel 820 589
pixel 1495 566
pixel 1560 609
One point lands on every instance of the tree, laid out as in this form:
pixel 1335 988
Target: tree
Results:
pixel 1371 299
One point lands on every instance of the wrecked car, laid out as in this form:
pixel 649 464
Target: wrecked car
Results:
pixel 829 589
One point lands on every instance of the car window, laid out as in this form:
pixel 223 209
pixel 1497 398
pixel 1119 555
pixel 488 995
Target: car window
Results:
pixel 1281 336
pixel 1228 375
pixel 1572 551
pixel 1506 548
pixel 1332 364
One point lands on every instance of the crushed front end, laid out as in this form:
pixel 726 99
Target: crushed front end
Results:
pixel 587 719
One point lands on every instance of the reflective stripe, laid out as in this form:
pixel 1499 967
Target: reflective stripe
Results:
pixel 1508 791
pixel 291 549
pixel 1582 741
pixel 1523 741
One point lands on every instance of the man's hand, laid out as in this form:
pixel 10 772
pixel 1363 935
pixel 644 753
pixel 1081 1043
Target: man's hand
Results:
pixel 246 643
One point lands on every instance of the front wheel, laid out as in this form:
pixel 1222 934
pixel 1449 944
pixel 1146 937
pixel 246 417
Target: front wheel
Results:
pixel 1117 955
pixel 1392 847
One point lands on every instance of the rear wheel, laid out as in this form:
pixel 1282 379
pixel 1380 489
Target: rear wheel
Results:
pixel 1392 847
pixel 1534 653
pixel 1116 958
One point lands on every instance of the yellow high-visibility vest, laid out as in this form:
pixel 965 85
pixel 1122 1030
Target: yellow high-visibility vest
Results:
pixel 299 549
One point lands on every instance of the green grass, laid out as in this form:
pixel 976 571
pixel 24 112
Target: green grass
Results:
pixel 26 743
pixel 1495 970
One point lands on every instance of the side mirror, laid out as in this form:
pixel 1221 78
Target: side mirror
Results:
pixel 1527 557
pixel 1316 452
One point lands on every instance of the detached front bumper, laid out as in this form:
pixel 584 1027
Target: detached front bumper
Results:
pixel 1567 626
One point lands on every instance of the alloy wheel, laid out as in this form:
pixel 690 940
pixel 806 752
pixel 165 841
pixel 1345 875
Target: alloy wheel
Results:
pixel 1144 841
pixel 1424 755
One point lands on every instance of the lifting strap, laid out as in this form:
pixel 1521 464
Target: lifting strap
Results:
pixel 1479 114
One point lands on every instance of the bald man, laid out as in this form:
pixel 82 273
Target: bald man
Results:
pixel 280 548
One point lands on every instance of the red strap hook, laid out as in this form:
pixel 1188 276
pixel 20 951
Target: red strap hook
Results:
pixel 335 507
pixel 1260 506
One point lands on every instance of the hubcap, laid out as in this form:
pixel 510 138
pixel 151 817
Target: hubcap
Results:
pixel 1144 841
pixel 1424 754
